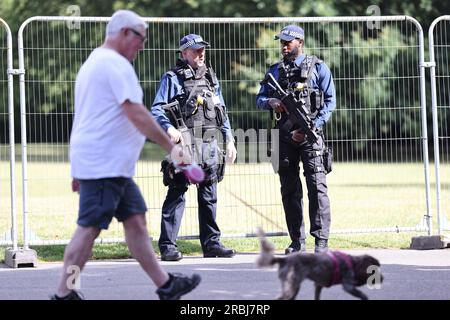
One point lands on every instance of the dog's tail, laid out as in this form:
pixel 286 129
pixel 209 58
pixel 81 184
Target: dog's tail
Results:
pixel 266 258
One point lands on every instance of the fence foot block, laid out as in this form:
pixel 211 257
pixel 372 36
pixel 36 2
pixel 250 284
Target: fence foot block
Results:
pixel 429 242
pixel 20 258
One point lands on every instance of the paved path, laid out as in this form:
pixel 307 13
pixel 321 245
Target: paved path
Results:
pixel 408 274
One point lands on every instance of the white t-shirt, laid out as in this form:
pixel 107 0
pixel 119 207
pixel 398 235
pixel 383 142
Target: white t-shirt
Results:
pixel 104 143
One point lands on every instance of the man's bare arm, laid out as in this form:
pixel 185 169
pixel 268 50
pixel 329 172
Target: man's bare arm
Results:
pixel 144 122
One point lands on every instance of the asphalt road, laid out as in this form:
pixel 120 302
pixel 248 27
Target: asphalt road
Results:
pixel 408 275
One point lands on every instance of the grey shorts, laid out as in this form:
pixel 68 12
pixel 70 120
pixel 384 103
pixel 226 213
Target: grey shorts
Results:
pixel 103 199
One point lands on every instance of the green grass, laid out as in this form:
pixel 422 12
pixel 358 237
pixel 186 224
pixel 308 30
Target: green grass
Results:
pixel 362 195
pixel 52 253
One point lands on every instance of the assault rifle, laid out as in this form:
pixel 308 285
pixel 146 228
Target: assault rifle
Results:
pixel 296 109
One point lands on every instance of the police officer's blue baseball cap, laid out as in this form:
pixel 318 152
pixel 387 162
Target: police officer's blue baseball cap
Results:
pixel 193 41
pixel 290 33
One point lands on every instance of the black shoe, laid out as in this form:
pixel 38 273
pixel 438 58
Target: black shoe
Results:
pixel 321 246
pixel 73 295
pixel 296 246
pixel 171 254
pixel 218 251
pixel 178 285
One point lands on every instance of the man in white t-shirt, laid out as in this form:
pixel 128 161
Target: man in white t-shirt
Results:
pixel 109 131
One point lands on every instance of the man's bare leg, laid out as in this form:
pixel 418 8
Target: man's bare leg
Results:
pixel 77 253
pixel 137 238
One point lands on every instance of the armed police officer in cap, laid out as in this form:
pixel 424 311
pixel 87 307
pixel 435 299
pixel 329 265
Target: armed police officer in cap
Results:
pixel 310 82
pixel 189 105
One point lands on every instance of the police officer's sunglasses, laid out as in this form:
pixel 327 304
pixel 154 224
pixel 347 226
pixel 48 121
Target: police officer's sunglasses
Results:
pixel 143 38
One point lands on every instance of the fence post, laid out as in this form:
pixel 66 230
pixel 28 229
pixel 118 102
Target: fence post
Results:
pixel 428 217
pixel 17 257
pixel 440 216
pixel 436 241
pixel 11 135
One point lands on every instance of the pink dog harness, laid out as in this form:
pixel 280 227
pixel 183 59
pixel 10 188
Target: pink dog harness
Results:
pixel 339 259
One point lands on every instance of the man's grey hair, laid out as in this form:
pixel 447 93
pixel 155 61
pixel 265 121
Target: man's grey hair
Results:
pixel 124 19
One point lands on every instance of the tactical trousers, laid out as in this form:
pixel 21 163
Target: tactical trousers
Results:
pixel 173 209
pixel 292 193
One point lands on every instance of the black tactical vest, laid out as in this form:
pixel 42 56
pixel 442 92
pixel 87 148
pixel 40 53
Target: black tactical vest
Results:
pixel 298 79
pixel 200 106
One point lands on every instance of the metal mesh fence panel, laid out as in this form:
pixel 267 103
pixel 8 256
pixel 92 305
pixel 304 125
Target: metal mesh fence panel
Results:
pixel 377 183
pixel 440 48
pixel 52 54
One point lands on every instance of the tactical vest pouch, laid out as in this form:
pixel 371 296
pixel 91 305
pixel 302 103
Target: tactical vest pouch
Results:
pixel 221 167
pixel 170 178
pixel 316 101
pixel 209 110
pixel 214 173
pixel 209 104
pixel 213 163
pixel 168 172
pixel 196 116
pixel 328 159
pixel 191 106
pixel 220 116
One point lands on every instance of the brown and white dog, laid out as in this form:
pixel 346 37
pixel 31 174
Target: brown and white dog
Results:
pixel 324 269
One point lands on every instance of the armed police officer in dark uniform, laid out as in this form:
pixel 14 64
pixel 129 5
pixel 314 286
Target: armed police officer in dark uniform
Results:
pixel 190 107
pixel 310 82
